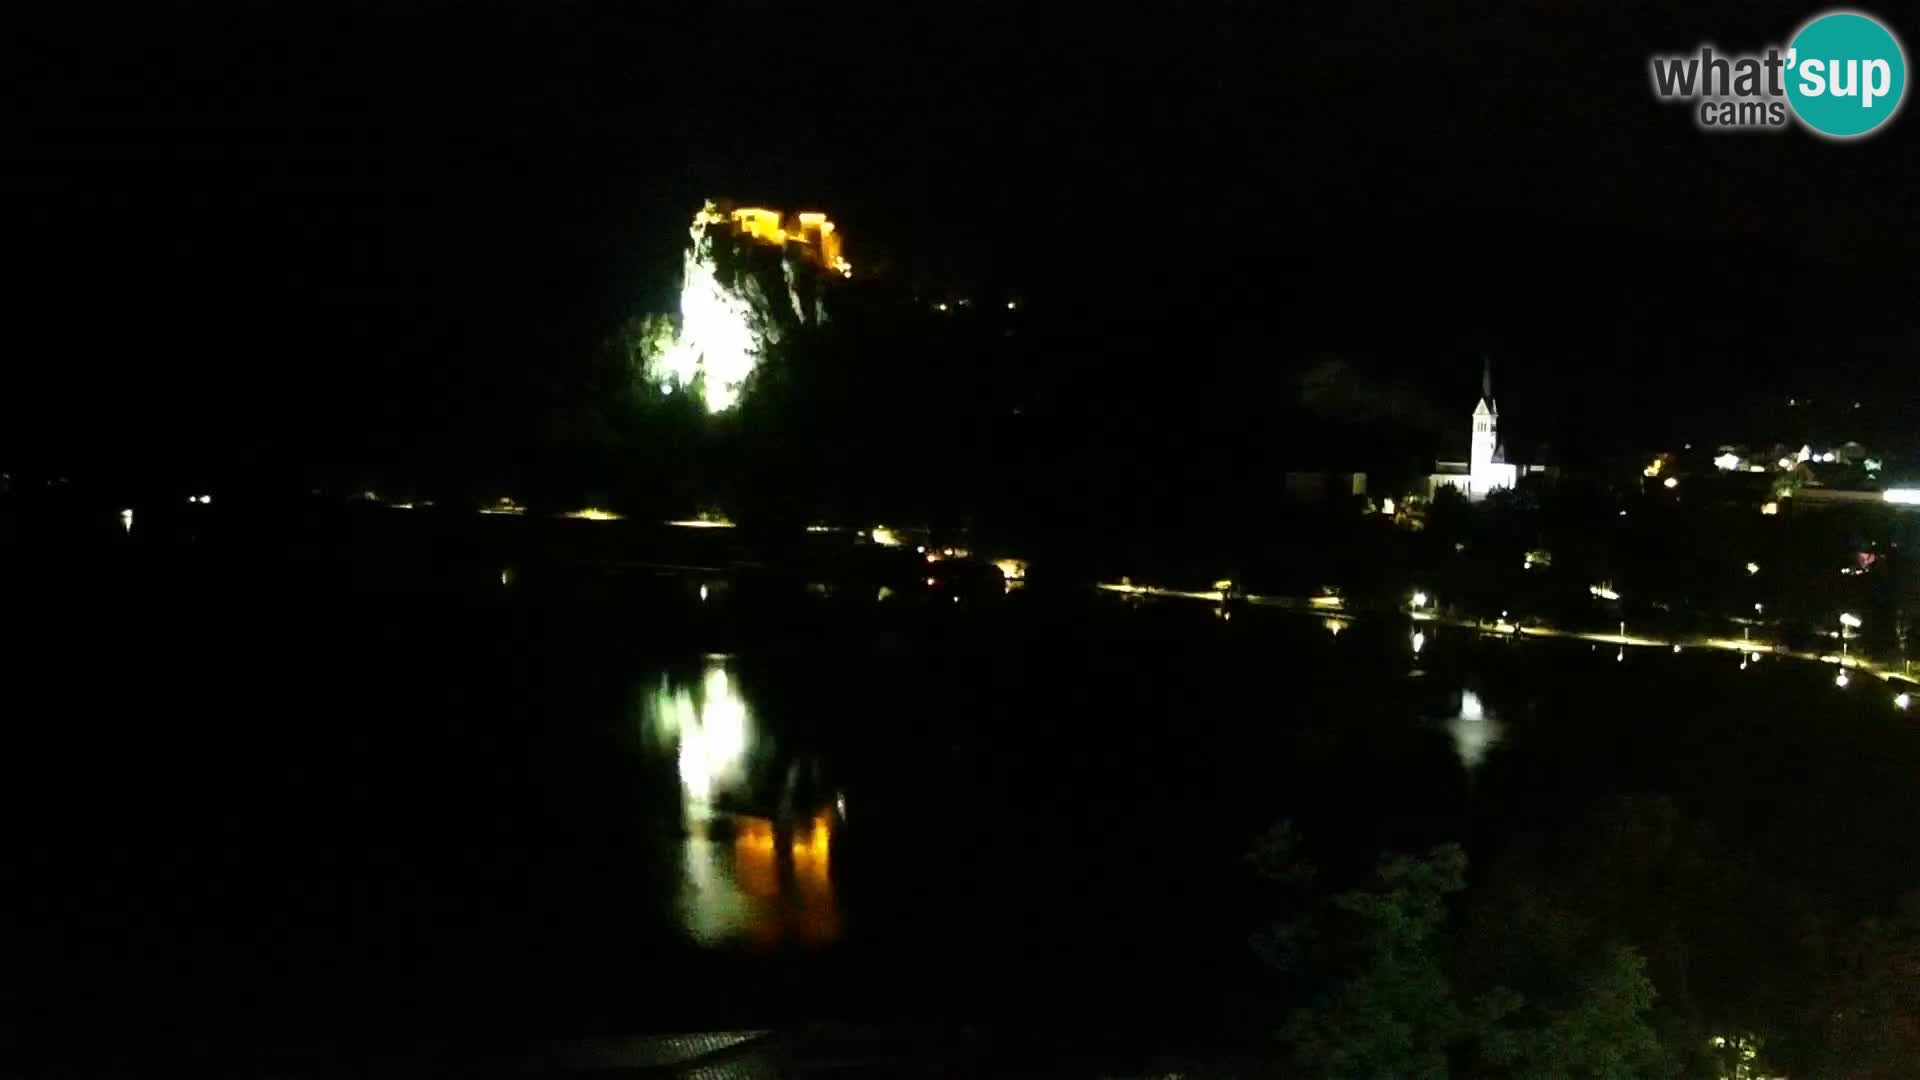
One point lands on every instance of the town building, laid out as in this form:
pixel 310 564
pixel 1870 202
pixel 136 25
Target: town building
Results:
pixel 1486 469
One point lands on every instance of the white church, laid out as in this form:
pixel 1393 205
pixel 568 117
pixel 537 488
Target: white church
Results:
pixel 1485 470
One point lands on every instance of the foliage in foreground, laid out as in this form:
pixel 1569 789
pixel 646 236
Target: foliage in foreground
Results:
pixel 1548 967
pixel 1386 995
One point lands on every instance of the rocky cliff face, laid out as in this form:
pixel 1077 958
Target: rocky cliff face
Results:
pixel 739 297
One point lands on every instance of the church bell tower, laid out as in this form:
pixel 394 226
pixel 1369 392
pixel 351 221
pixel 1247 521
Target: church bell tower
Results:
pixel 1486 422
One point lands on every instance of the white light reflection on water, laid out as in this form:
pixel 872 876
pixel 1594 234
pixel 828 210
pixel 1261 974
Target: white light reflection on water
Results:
pixel 1474 732
pixel 713 739
pixel 743 877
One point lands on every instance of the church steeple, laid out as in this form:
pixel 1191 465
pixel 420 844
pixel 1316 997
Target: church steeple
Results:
pixel 1486 421
pixel 1486 468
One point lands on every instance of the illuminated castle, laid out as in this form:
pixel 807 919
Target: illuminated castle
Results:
pixel 748 282
pixel 813 238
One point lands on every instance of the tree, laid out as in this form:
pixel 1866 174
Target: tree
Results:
pixel 1598 1031
pixel 1394 1013
pixel 1872 1027
pixel 1395 992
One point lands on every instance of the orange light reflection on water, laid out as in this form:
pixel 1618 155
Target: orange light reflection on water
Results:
pixel 787 888
pixel 743 878
pixel 759 887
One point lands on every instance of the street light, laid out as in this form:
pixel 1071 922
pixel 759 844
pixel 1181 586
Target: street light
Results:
pixel 1902 700
pixel 1850 620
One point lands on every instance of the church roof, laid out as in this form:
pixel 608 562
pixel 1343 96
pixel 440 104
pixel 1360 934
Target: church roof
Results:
pixel 1486 408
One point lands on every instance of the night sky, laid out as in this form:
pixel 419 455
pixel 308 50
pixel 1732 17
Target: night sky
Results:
pixel 268 226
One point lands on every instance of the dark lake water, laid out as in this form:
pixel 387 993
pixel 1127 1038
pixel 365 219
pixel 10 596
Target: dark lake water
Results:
pixel 325 798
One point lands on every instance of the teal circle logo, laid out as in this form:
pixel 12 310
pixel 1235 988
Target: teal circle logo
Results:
pixel 1845 74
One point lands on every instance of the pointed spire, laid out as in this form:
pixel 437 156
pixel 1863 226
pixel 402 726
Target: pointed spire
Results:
pixel 1486 376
